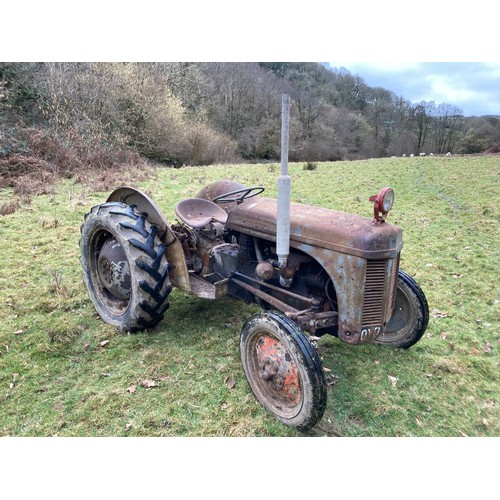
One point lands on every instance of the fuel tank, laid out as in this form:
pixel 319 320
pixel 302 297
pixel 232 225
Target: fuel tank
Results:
pixel 319 227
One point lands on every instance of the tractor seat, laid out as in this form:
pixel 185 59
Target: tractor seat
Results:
pixel 197 212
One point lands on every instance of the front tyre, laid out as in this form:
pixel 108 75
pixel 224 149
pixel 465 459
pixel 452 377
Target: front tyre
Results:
pixel 410 317
pixel 283 369
pixel 124 267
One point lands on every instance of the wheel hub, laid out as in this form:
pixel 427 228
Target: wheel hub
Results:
pixel 278 371
pixel 114 270
pixel 271 374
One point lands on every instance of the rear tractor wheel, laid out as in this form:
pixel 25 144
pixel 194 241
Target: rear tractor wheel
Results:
pixel 283 369
pixel 124 267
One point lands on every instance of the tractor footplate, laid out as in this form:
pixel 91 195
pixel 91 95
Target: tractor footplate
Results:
pixel 212 286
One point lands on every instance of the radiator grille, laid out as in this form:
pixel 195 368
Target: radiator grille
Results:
pixel 374 292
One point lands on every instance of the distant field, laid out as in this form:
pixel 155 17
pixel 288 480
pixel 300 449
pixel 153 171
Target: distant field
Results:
pixel 64 372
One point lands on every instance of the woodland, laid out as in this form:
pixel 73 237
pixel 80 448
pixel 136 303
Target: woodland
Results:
pixel 96 115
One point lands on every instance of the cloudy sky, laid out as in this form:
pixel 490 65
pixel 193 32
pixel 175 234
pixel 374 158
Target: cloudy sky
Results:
pixel 473 87
pixel 385 30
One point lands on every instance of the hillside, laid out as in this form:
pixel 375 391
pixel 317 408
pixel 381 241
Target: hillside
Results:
pixel 96 115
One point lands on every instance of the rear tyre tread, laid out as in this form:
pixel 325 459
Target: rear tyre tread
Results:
pixel 145 253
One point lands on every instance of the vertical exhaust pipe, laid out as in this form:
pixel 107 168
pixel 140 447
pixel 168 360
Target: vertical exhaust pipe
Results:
pixel 284 190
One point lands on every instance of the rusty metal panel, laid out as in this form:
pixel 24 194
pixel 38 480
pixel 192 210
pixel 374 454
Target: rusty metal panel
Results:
pixel 319 227
pixel 347 273
pixel 364 305
pixel 209 287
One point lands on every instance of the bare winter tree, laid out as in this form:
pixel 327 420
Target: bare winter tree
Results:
pixel 421 119
pixel 201 113
pixel 447 127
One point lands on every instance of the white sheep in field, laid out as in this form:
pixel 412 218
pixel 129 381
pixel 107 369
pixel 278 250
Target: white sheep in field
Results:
pixel 412 155
pixel 448 154
pixel 422 154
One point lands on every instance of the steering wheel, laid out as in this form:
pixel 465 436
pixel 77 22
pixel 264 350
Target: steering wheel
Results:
pixel 231 196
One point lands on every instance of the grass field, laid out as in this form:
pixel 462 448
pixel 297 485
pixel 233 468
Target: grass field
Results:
pixel 64 372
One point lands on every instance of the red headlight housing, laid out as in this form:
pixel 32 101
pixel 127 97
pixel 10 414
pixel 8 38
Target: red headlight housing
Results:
pixel 383 202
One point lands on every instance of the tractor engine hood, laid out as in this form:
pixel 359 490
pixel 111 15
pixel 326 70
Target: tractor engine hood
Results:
pixel 320 228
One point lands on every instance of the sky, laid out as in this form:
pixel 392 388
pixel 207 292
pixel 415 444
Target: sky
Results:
pixel 368 31
pixel 474 87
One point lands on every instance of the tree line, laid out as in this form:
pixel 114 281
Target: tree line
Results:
pixel 212 112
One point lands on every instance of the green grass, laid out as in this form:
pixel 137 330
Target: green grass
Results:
pixel 60 376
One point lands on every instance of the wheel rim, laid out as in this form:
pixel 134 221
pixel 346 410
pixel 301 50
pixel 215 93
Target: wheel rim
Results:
pixel 110 272
pixel 275 374
pixel 401 319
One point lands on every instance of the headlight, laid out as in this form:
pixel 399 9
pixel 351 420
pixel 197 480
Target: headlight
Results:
pixel 386 197
pixel 383 203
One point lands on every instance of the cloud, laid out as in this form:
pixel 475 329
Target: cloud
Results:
pixel 446 89
pixel 474 87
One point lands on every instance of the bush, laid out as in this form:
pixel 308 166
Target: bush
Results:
pixel 310 165
pixel 117 105
pixel 45 157
pixel 495 148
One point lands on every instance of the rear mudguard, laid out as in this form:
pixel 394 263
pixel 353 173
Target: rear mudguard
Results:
pixel 179 276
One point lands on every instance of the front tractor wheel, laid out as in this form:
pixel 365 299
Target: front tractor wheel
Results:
pixel 410 317
pixel 124 267
pixel 283 369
